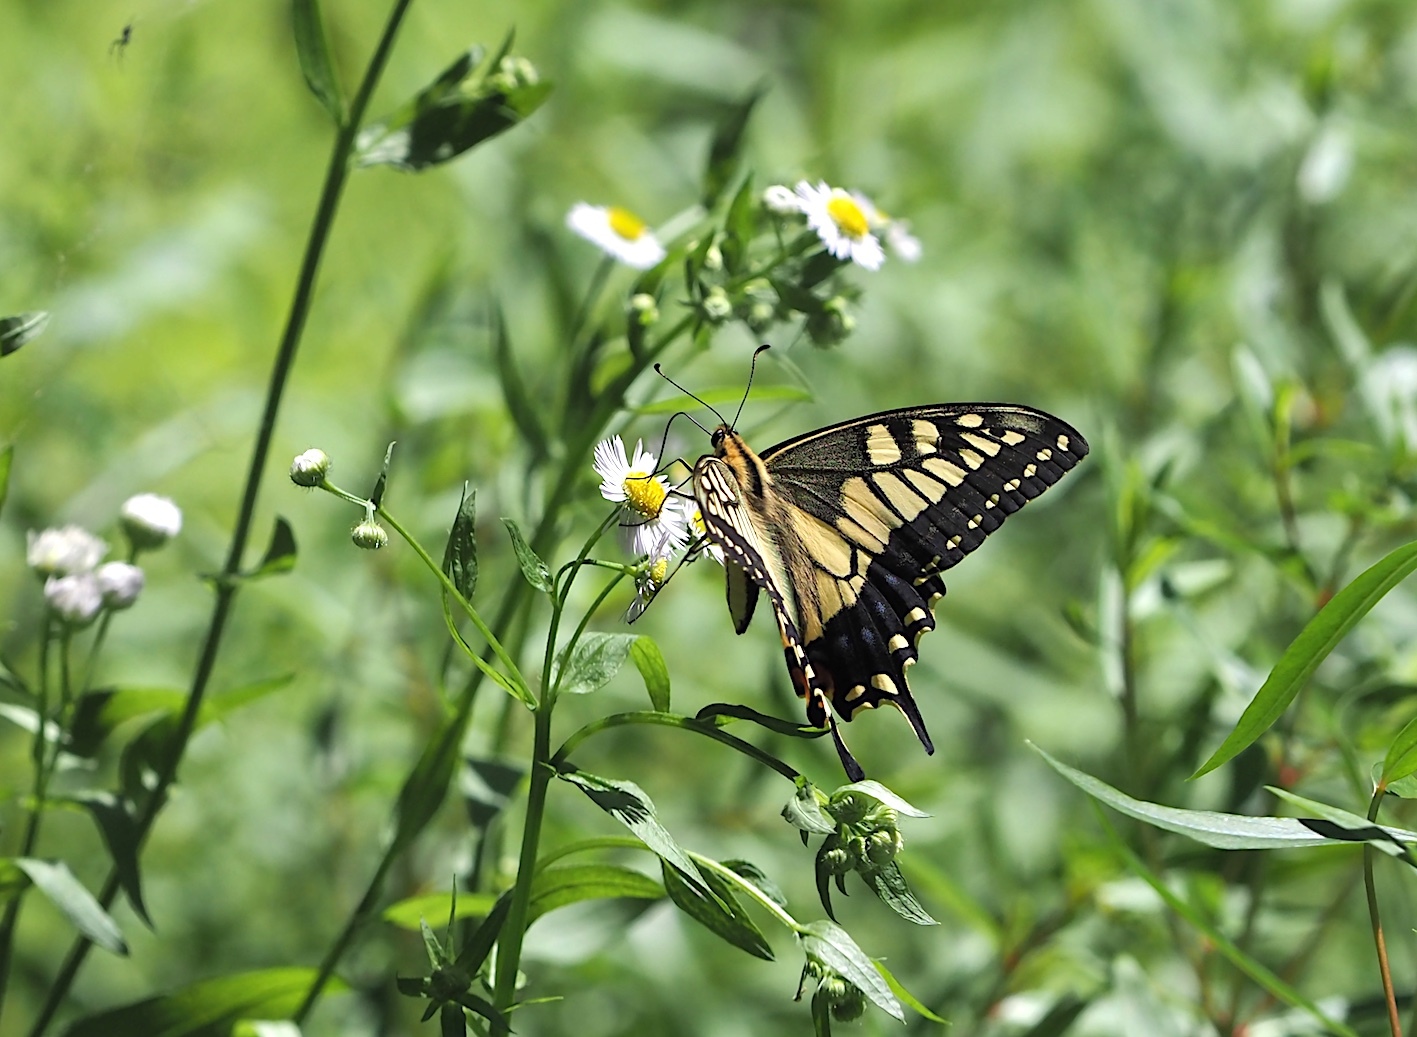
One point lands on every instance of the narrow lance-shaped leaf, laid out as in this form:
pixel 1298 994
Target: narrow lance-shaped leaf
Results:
pixel 7 461
pixel 209 1006
pixel 376 496
pixel 909 999
pixel 1401 758
pixel 1223 831
pixel 566 884
pixel 1313 645
pixel 57 882
pixel 890 886
pixel 627 803
pixel 650 662
pixel 460 554
pixel 533 568
pixel 313 49
pixel 721 914
pixel 119 829
pixel 17 330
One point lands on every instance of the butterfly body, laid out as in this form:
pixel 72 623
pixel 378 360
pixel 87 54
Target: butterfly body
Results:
pixel 847 530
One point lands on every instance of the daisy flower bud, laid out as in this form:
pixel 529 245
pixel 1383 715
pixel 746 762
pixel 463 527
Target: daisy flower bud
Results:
pixel 60 552
pixel 716 306
pixel 150 521
pixel 781 200
pixel 369 535
pixel 75 599
pixel 120 584
pixel 643 309
pixel 310 468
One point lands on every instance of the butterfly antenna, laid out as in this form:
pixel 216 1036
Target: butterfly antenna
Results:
pixel 752 368
pixel 664 441
pixel 660 371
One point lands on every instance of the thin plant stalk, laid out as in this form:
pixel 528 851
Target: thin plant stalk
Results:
pixel 228 582
pixel 1375 918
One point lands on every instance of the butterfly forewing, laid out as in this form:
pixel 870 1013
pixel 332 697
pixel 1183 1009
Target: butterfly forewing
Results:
pixel 848 528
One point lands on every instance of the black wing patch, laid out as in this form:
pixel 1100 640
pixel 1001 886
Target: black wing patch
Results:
pixel 883 505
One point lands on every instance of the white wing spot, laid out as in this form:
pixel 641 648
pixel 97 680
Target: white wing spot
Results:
pixel 1029 471
pixel 881 447
pixel 1012 484
pixel 897 642
pixel 1044 454
pixel 1012 438
pixel 951 473
pixel 969 421
pixel 926 436
pixel 1063 443
pixel 883 683
pixel 855 693
pixel 976 462
pixel 985 444
pixel 914 616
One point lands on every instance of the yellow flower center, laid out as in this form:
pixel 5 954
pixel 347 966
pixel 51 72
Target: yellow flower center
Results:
pixel 644 494
pixel 658 570
pixel 626 224
pixel 847 215
pixel 699 528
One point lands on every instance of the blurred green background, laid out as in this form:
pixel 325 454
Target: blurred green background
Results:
pixel 1134 213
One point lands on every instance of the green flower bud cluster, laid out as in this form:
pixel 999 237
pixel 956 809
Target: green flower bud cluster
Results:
pixel 840 996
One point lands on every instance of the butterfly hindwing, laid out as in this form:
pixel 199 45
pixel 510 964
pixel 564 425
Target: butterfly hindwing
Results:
pixel 848 529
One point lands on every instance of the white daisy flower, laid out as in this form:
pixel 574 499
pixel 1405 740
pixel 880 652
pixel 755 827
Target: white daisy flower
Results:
pixel 617 232
pixel 700 534
pixel 75 599
pixel 843 221
pixel 658 522
pixel 120 583
pixel 781 199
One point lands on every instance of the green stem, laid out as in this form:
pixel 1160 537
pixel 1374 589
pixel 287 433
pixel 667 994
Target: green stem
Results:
pixel 509 946
pixel 650 716
pixel 228 582
pixel 1375 918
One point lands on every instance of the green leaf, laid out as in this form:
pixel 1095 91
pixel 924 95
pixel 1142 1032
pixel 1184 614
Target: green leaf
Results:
pixel 649 660
pixel 1401 758
pixel 205 1007
pixel 829 944
pixel 520 404
pixel 728 397
pixel 1222 831
pixel 1262 976
pixel 280 554
pixel 313 49
pixel 906 997
pixel 596 658
pixel 407 914
pixel 376 495
pixel 804 811
pixel 726 147
pixel 626 802
pixel 437 956
pixel 265 1028
pixel 422 794
pixel 17 330
pixel 766 886
pixel 566 884
pixel 889 884
pixel 460 553
pixel 451 1021
pixel 98 713
pixel 724 713
pixel 57 882
pixel 721 914
pixel 119 829
pixel 7 461
pixel 533 568
pixel 1345 826
pixel 880 793
pixel 480 945
pixel 460 109
pixel 1313 645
